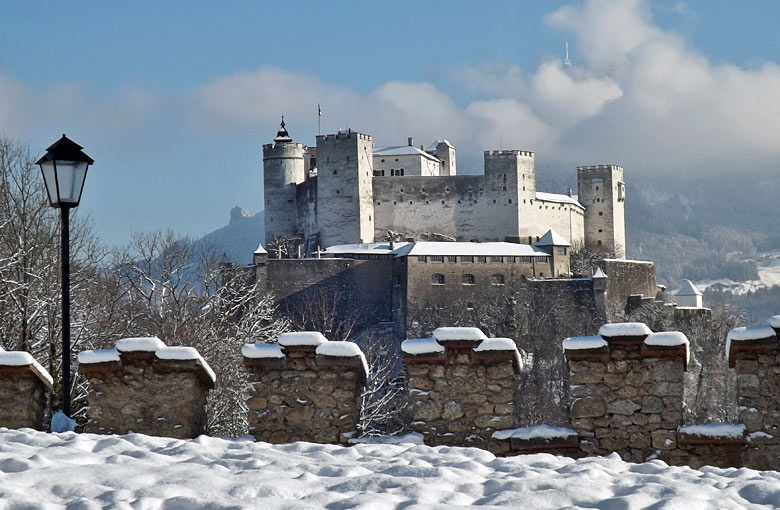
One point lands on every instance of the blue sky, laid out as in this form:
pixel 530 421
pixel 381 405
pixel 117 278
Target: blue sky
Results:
pixel 174 99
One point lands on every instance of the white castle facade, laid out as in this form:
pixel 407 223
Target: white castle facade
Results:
pixel 344 191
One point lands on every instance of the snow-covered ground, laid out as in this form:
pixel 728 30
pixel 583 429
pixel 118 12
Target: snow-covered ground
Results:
pixel 84 472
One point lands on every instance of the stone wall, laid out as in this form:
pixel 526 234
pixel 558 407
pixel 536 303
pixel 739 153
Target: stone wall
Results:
pixel 24 389
pixel 626 278
pixel 143 386
pixel 462 387
pixel 626 392
pixel 304 388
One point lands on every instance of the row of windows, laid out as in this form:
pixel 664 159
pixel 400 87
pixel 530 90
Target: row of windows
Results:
pixel 393 172
pixel 483 259
pixel 468 279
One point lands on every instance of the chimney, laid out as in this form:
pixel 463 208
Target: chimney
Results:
pixel 411 141
pixel 422 147
pixel 570 191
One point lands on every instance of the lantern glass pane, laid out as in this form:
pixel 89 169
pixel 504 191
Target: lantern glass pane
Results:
pixel 47 168
pixel 70 177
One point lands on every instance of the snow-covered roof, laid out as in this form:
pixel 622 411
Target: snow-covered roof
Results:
pixel 577 343
pixel 632 261
pixel 447 334
pixel 301 338
pixel 774 321
pixel 421 346
pixel 432 146
pixel 403 150
pixel 688 289
pixel 624 329
pixel 552 238
pixel 262 351
pixel 343 350
pixel 555 197
pixel 599 273
pixel 421 248
pixel 260 250
pixel 23 359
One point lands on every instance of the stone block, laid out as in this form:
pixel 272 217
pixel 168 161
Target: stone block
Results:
pixel 624 407
pixel 588 407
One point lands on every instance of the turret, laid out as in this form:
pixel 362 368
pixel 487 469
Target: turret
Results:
pixel 602 192
pixel 283 169
pixel 559 252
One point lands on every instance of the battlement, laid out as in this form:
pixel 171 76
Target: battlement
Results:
pixel 343 136
pixel 508 152
pixel 599 167
pixel 282 147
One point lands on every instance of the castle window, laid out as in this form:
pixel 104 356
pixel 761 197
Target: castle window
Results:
pixel 601 213
pixel 396 159
pixel 468 279
pixel 496 259
pixel 526 259
pixel 426 201
pixel 510 200
pixel 467 258
pixel 437 279
pixel 382 160
pixel 421 189
pixel 402 190
pixel 497 279
pixel 335 172
pixel 410 202
pixel 452 258
pixel 600 230
pixel 475 201
pixel 597 188
pixel 447 189
pixel 437 258
pixel 378 203
pixel 504 188
pixel 442 201
pixel 395 203
pixel 560 251
pixel 599 243
pixel 337 192
pixel 469 306
pixel 523 188
pixel 383 173
pixel 347 159
pixel 494 201
pixel 392 172
pixel 469 189
pixel 402 171
pixel 289 201
pixel 511 259
pixel 483 260
pixel 377 173
pixel 422 258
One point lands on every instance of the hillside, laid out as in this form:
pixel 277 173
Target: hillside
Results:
pixel 239 238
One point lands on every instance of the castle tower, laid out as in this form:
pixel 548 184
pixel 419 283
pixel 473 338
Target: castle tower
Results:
pixel 283 169
pixel 510 179
pixel 602 192
pixel 345 207
pixel 444 150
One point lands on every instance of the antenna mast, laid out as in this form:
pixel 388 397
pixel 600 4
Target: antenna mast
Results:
pixel 566 61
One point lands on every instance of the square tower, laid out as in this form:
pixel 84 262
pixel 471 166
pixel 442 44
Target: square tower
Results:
pixel 345 208
pixel 509 179
pixel 602 191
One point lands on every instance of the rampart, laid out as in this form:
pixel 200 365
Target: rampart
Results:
pixel 304 388
pixel 626 278
pixel 24 389
pixel 144 386
pixel 462 387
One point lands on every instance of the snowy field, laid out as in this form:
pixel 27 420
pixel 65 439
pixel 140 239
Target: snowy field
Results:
pixel 84 471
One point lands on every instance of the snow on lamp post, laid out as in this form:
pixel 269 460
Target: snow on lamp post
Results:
pixel 64 168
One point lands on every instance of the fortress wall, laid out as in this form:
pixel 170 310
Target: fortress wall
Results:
pixel 24 389
pixel 298 394
pixel 627 277
pixel 566 219
pixel 306 207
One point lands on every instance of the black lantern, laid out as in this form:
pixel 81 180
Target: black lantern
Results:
pixel 64 169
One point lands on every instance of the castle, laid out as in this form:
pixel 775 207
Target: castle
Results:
pixel 344 191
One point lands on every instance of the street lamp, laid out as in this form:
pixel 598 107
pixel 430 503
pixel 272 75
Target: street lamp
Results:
pixel 64 169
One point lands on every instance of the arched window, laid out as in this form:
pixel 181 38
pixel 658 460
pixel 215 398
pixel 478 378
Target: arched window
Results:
pixel 497 279
pixel 437 279
pixel 468 279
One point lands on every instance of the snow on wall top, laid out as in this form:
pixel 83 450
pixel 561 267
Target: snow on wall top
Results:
pixel 343 350
pixel 774 321
pixel 667 338
pixel 730 430
pixel 447 334
pixel 583 342
pixel 747 333
pixel 261 351
pixel 98 356
pixel 624 329
pixel 184 353
pixel 294 338
pixel 421 346
pixel 496 344
pixel 536 432
pixel 403 150
pixel 555 197
pixel 144 344
pixel 23 359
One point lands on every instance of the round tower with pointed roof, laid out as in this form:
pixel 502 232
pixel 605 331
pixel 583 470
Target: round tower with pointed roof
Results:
pixel 283 170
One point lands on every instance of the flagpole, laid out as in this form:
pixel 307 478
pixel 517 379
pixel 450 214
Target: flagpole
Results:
pixel 319 118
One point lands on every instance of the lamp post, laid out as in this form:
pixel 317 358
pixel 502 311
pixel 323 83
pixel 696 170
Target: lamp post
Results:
pixel 64 169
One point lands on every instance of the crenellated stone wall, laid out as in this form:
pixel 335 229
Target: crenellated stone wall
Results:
pixel 462 387
pixel 304 388
pixel 24 389
pixel 626 389
pixel 144 386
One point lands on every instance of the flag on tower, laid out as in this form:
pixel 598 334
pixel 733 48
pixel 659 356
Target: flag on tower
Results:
pixel 319 110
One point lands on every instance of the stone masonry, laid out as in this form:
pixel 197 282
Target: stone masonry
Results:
pixel 302 390
pixel 143 386
pixel 461 393
pixel 754 354
pixel 24 388
pixel 626 395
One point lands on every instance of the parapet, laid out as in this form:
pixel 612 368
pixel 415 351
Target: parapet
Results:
pixel 599 167
pixel 24 385
pixel 343 135
pixel 290 150
pixel 508 153
pixel 142 385
pixel 304 388
pixel 462 387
